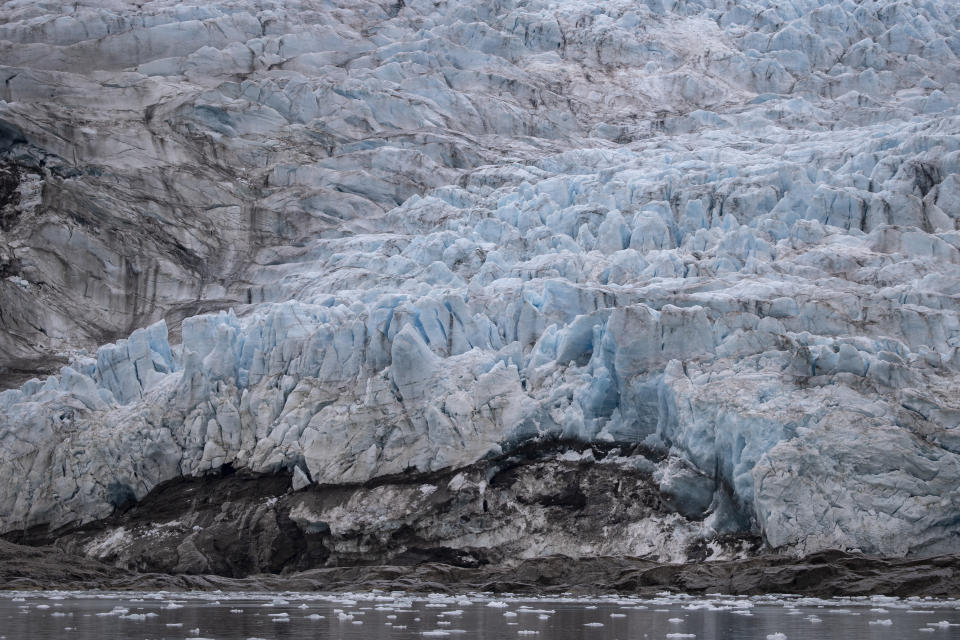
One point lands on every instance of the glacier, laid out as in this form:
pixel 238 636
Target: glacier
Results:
pixel 350 240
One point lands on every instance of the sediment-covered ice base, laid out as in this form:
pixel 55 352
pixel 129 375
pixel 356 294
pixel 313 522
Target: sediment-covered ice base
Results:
pixel 725 232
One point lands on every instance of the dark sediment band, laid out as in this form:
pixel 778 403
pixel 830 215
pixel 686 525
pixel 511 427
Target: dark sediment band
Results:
pixel 824 574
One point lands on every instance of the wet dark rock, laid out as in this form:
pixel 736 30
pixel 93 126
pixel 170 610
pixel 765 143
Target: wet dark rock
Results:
pixel 9 196
pixel 252 532
pixel 497 512
pixel 826 574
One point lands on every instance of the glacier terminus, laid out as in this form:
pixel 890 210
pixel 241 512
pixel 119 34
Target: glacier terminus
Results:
pixel 701 257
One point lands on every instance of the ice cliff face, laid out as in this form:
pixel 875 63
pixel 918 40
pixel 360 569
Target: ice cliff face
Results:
pixel 722 232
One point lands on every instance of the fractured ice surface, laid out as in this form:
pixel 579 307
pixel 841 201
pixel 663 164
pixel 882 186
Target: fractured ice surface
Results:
pixel 724 231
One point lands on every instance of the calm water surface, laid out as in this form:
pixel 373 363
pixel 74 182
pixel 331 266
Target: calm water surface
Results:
pixel 398 616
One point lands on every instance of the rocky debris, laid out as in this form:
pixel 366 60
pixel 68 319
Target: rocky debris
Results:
pixel 825 574
pixel 9 195
pixel 30 567
pixel 537 501
pixel 723 232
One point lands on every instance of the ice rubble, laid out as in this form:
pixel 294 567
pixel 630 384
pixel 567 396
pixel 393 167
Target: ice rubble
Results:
pixel 725 231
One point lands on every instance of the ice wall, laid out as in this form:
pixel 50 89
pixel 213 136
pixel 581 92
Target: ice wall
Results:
pixel 726 232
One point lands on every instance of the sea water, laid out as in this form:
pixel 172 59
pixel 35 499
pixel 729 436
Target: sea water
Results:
pixel 90 615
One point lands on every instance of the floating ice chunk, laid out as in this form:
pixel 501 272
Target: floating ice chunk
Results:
pixel 886 622
pixel 530 610
pixel 139 617
pixel 777 636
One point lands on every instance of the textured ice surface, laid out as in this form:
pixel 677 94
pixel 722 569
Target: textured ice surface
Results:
pixel 725 231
